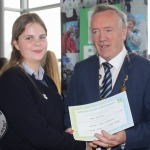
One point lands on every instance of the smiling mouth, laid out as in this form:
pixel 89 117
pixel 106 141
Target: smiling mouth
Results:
pixel 104 46
pixel 37 51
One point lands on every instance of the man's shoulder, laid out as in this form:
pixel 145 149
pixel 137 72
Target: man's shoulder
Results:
pixel 140 59
pixel 141 62
pixel 89 60
pixel 86 64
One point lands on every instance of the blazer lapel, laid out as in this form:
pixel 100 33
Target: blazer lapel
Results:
pixel 94 78
pixel 121 76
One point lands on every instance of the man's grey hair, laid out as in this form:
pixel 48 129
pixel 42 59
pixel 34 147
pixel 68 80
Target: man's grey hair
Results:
pixel 104 7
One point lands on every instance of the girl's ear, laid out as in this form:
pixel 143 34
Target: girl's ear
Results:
pixel 16 44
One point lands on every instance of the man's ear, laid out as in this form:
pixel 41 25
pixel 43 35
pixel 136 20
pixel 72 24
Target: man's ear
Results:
pixel 124 33
pixel 16 44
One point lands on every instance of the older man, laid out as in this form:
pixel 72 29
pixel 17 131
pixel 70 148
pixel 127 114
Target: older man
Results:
pixel 109 28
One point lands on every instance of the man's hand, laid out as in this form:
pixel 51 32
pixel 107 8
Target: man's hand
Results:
pixel 69 130
pixel 106 139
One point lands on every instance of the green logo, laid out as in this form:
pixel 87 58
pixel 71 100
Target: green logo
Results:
pixel 79 4
pixel 119 100
pixel 88 3
pixel 70 5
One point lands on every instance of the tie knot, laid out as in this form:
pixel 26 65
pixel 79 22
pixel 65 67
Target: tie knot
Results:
pixel 33 75
pixel 107 65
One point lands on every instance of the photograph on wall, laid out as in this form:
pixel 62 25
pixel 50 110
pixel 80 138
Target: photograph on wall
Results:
pixel 68 62
pixel 137 38
pixel 70 38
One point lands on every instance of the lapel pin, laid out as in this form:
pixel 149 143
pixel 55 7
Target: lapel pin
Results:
pixel 45 96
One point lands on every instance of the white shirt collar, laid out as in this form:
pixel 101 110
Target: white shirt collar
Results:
pixel 116 61
pixel 31 71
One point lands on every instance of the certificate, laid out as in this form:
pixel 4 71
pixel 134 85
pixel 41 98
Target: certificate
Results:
pixel 112 115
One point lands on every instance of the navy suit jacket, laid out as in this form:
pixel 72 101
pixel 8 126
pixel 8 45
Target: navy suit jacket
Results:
pixel 84 89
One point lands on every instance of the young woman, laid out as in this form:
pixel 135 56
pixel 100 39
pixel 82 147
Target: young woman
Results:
pixel 29 99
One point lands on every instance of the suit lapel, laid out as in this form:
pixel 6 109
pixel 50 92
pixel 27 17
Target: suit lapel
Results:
pixel 122 74
pixel 94 78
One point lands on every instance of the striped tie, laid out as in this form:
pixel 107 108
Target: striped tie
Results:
pixel 106 86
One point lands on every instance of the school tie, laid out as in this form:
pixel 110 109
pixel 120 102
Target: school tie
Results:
pixel 106 86
pixel 41 81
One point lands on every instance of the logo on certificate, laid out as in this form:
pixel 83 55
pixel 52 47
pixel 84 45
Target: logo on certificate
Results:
pixel 3 125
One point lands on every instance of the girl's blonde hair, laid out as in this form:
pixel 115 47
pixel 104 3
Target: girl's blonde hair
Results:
pixel 18 28
pixel 50 65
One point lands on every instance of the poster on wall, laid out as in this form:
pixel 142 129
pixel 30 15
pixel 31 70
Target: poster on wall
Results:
pixel 76 41
pixel 137 38
pixel 137 12
pixel 70 35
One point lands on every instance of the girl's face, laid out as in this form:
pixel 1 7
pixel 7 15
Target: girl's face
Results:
pixel 71 35
pixel 32 43
pixel 130 25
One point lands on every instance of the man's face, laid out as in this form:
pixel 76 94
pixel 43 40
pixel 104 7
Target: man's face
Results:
pixel 107 34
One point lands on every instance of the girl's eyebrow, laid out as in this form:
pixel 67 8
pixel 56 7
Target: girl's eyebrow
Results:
pixel 33 35
pixel 28 35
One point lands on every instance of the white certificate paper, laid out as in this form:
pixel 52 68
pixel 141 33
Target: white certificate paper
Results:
pixel 112 115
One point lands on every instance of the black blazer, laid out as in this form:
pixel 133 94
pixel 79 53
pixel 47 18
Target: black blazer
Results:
pixel 35 121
